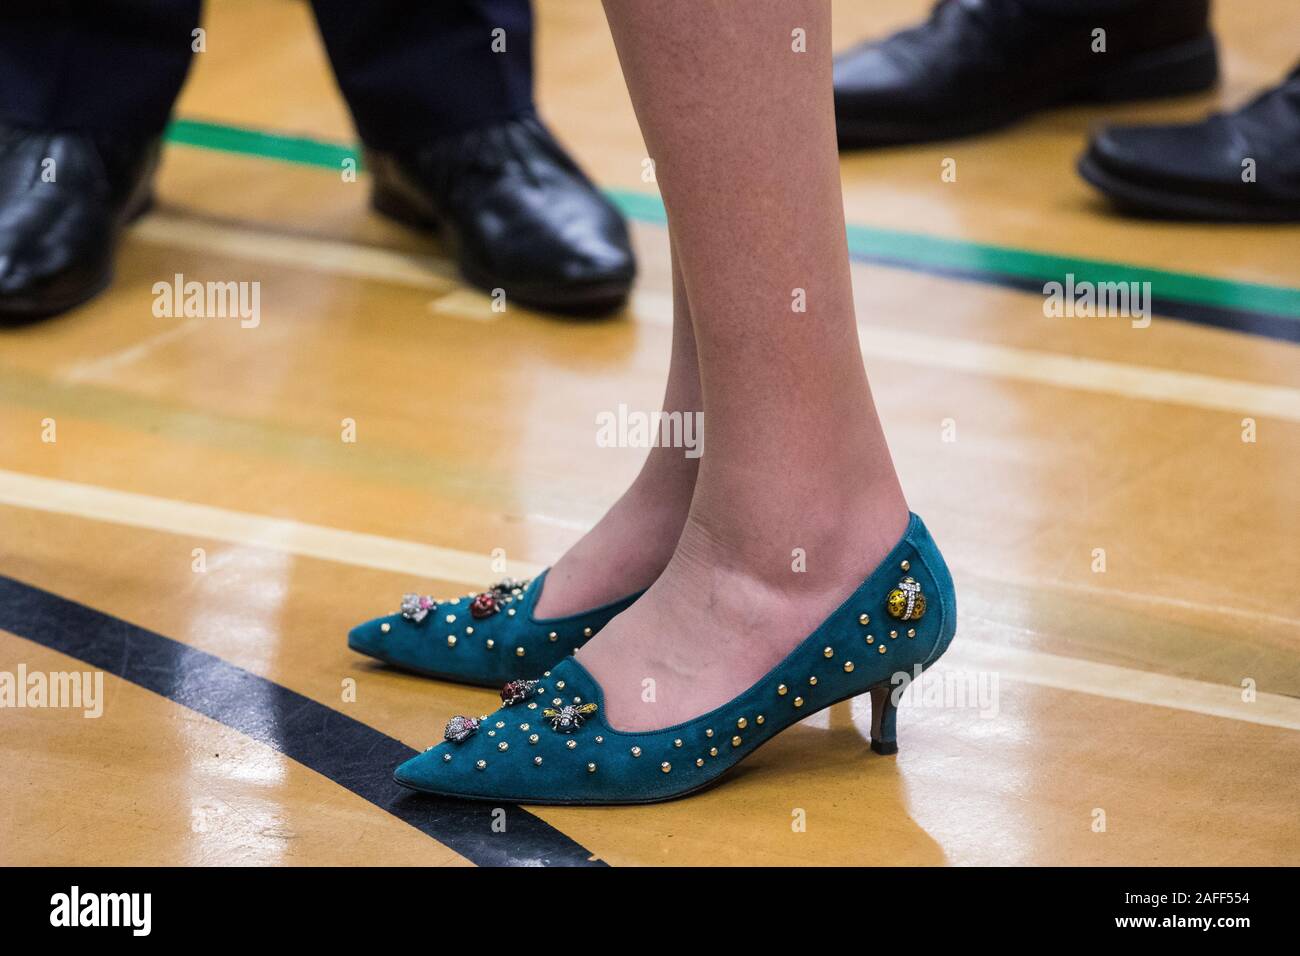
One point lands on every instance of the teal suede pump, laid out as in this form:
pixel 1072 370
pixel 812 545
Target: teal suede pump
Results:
pixel 549 742
pixel 485 638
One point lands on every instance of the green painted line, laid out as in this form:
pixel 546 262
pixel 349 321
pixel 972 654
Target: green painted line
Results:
pixel 251 142
pixel 937 253
pixel 912 249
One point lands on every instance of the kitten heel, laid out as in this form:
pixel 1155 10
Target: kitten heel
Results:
pixel 884 721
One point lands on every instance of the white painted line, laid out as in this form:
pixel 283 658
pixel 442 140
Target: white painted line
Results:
pixel 102 366
pixel 220 524
pixel 317 255
pixel 1052 369
pixel 1123 683
pixel 408 557
pixel 1141 382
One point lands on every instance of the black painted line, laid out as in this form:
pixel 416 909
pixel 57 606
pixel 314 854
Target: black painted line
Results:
pixel 354 755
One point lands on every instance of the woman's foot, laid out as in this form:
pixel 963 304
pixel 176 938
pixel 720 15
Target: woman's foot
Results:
pixel 721 615
pixel 552 742
pixel 630 546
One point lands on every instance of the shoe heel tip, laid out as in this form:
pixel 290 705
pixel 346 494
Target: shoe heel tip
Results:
pixel 886 748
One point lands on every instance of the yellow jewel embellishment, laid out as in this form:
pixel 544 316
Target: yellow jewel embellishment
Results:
pixel 906 602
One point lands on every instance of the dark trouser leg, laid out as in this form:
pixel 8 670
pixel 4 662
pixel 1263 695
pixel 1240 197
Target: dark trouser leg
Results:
pixel 415 70
pixel 97 65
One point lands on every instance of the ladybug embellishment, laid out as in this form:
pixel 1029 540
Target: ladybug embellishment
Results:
pixel 484 605
pixel 517 691
pixel 906 602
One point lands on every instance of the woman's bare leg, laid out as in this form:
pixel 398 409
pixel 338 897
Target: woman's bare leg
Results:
pixel 629 547
pixel 742 131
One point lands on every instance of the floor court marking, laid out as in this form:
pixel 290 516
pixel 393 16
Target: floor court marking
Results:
pixel 916 348
pixel 318 255
pixel 373 551
pixel 1123 683
pixel 235 527
pixel 908 250
pixel 353 755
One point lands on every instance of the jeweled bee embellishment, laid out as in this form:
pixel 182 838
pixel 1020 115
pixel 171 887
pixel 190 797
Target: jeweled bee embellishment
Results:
pixel 459 729
pixel 416 607
pixel 906 602
pixel 569 717
pixel 517 691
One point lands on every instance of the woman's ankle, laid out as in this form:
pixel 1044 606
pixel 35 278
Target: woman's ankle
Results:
pixel 812 542
pixel 626 550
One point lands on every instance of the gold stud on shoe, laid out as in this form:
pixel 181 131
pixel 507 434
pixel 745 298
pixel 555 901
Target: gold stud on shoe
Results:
pixel 798 701
pixel 782 690
pixel 552 636
pixel 586 632
pixel 469 629
pixel 828 652
pixel 571 744
pixel 480 765
pixel 451 640
pixel 533 738
pixel 812 681
pixel 591 768
pixel 735 741
pixel 451 618
pixel 636 751
pixel 759 719
pixel 882 648
pixel 503 746
pixel 713 751
pixel 537 761
pixel 491 643
pixel 519 652
pixel 906 565
pixel 385 627
pixel 699 761
pixel 911 632
pixel 709 732
pixel 893 634
pixel 864 619
pixel 742 723
pixel 666 767
pixel 848 667
pixel 677 742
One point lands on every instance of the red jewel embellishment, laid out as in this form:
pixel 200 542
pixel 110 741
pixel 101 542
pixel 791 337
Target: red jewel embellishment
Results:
pixel 484 605
pixel 517 691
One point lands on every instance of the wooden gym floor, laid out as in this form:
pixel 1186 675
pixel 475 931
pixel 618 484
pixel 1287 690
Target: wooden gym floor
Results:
pixel 1123 729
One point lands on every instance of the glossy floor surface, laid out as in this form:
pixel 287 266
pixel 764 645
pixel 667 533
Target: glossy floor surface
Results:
pixel 1125 685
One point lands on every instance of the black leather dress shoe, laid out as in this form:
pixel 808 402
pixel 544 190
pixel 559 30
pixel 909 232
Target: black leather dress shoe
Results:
pixel 1241 167
pixel 976 65
pixel 516 213
pixel 64 198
